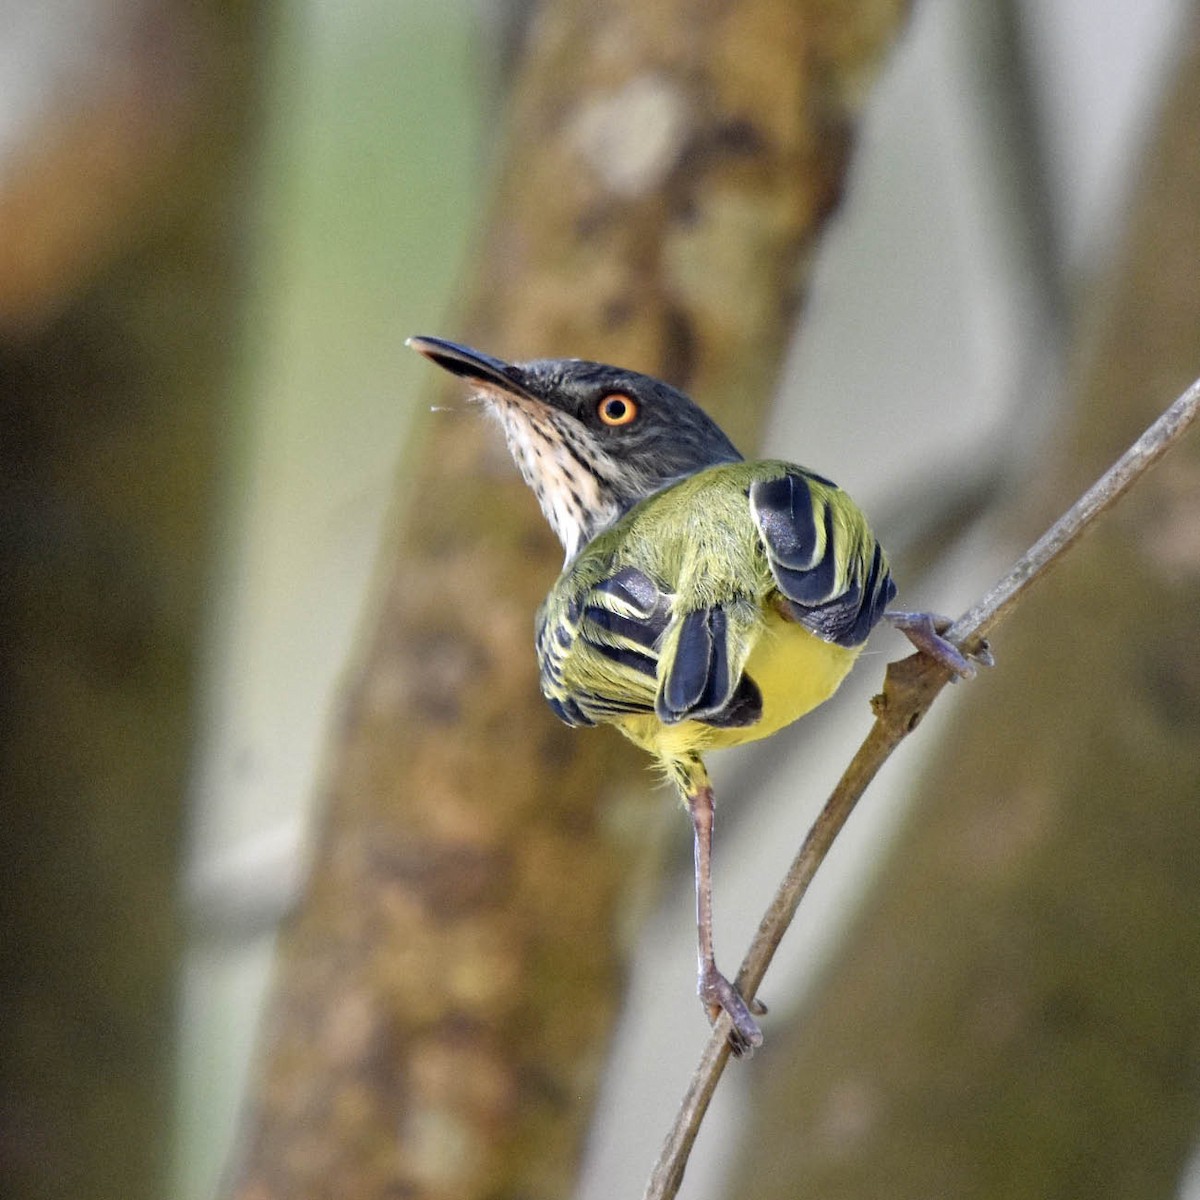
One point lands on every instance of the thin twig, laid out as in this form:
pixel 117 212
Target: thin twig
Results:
pixel 910 687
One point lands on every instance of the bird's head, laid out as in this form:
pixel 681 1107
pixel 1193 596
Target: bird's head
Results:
pixel 590 440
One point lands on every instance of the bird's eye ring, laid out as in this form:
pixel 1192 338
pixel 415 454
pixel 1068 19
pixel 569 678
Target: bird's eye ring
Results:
pixel 617 409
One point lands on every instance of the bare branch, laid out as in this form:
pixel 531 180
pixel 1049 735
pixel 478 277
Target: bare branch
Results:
pixel 1109 488
pixel 910 687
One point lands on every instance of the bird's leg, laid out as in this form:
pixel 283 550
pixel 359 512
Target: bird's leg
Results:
pixel 925 631
pixel 715 990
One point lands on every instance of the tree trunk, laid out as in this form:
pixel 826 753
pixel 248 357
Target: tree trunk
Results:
pixel 1017 1013
pixel 445 992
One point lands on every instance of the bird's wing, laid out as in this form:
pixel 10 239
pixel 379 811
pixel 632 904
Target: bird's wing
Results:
pixel 598 647
pixel 619 647
pixel 825 560
pixel 704 653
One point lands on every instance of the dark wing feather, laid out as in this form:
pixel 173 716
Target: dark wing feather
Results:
pixel 620 619
pixel 625 620
pixel 699 670
pixel 832 574
pixel 698 685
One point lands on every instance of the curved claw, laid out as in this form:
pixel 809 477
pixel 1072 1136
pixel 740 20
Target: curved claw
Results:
pixel 720 995
pixel 925 631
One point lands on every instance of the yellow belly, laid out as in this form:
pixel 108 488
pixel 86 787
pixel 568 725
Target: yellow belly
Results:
pixel 795 671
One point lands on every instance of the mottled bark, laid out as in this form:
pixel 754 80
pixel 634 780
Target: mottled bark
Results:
pixel 116 356
pixel 1017 1014
pixel 445 992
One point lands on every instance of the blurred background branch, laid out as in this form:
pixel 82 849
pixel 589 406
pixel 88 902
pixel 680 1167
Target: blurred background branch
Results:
pixel 445 992
pixel 125 136
pixel 1016 1013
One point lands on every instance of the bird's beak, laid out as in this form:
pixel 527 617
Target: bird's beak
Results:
pixel 474 365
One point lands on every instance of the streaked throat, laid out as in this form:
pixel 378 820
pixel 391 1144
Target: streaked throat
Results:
pixel 567 488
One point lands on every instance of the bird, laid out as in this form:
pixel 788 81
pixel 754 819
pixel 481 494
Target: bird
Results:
pixel 705 600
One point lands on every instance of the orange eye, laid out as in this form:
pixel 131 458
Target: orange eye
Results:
pixel 617 409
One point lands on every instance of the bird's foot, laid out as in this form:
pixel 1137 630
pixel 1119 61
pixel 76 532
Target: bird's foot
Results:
pixel 925 631
pixel 719 995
